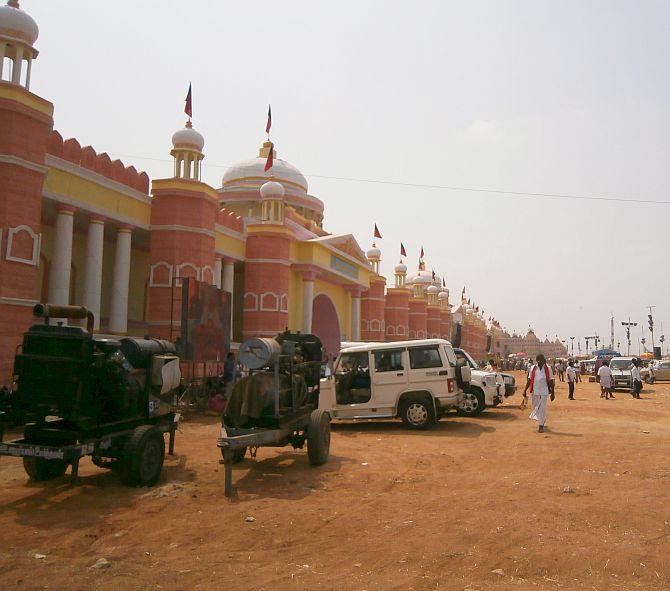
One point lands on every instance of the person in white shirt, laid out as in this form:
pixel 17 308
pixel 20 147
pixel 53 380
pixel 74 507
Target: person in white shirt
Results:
pixel 636 376
pixel 605 379
pixel 572 377
pixel 541 384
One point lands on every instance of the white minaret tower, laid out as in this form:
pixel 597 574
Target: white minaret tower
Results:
pixel 400 273
pixel 18 33
pixel 272 202
pixel 374 256
pixel 187 152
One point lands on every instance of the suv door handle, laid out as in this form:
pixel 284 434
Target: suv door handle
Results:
pixel 400 374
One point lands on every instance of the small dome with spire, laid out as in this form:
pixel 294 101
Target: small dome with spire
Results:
pixel 188 139
pixel 443 295
pixel 272 190
pixel 374 253
pixel 400 268
pixel 432 289
pixel 17 24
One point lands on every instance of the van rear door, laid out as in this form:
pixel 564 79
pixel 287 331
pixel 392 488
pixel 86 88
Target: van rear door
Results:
pixel 430 370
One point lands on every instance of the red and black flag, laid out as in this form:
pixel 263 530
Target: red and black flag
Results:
pixel 270 161
pixel 188 109
pixel 422 253
pixel 433 274
pixel 444 282
pixel 463 292
pixel 402 250
pixel 377 234
pixel 268 125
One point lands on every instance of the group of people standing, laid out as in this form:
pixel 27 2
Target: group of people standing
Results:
pixel 604 376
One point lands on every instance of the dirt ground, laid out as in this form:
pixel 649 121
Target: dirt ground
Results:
pixel 485 503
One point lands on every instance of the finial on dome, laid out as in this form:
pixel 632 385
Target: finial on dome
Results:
pixel 189 125
pixel 13 3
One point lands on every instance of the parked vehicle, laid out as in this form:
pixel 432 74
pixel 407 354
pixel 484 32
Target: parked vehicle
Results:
pixel 418 381
pixel 621 373
pixel 510 384
pixel 657 370
pixel 487 387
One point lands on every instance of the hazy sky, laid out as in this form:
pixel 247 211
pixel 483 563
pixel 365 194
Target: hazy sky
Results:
pixel 569 97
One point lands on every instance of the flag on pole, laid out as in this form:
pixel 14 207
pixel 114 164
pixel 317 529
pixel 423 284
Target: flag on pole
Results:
pixel 444 282
pixel 377 234
pixel 270 161
pixel 188 109
pixel 422 253
pixel 463 292
pixel 402 250
pixel 433 274
pixel 268 125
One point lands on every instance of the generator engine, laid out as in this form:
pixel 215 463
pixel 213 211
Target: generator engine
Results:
pixel 67 372
pixel 283 379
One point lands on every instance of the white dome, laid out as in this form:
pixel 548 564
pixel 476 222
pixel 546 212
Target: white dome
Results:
pixel 272 189
pixel 423 277
pixel 17 24
pixel 433 289
pixel 443 295
pixel 374 253
pixel 188 138
pixel 255 168
pixel 401 269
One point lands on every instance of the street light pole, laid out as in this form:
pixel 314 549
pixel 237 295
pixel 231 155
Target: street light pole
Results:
pixel 573 346
pixel 628 325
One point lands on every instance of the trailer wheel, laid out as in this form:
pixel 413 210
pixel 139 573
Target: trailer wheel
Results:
pixel 41 469
pixel 142 457
pixel 318 437
pixel 473 403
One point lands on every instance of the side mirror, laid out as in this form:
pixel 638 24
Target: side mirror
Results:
pixel 466 373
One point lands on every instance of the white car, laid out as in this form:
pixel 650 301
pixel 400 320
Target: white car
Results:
pixel 417 381
pixel 487 388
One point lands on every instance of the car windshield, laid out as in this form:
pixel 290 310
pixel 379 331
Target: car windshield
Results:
pixel 620 363
pixel 471 362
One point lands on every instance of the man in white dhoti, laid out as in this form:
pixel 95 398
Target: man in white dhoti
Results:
pixel 541 384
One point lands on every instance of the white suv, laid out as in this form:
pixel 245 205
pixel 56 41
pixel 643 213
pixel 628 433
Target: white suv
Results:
pixel 417 381
pixel 486 388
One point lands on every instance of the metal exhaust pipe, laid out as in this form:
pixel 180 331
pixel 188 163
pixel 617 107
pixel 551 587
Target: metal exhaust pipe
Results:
pixel 47 311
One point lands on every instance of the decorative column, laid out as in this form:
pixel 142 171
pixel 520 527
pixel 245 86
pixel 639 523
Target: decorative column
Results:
pixel 16 70
pixel 228 284
pixel 59 275
pixel 2 57
pixel 307 301
pixel 356 315
pixel 118 316
pixel 218 269
pixel 93 272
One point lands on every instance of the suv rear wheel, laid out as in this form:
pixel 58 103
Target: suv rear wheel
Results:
pixel 417 413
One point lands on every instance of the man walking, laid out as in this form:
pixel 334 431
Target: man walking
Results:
pixel 636 376
pixel 572 377
pixel 559 369
pixel 541 384
pixel 605 378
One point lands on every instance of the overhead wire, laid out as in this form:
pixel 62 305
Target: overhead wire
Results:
pixel 504 192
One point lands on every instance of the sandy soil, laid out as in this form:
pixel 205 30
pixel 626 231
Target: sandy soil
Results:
pixel 484 503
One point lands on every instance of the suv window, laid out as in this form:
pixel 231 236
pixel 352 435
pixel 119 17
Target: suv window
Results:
pixel 451 356
pixel 388 360
pixel 424 357
pixel 353 362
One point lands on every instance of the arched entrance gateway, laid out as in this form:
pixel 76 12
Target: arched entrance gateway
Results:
pixel 325 324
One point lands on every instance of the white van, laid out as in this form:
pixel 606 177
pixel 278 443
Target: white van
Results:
pixel 417 381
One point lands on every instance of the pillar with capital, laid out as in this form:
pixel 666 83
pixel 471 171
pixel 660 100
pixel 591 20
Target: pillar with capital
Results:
pixel 118 316
pixel 355 313
pixel 61 261
pixel 93 270
pixel 308 278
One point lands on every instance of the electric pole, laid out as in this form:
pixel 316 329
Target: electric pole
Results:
pixel 573 345
pixel 650 316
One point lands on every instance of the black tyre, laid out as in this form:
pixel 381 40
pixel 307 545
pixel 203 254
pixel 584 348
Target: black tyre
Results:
pixel 318 437
pixel 142 458
pixel 40 469
pixel 417 413
pixel 473 403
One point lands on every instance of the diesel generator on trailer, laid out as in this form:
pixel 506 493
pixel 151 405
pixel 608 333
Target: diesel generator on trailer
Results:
pixel 81 394
pixel 276 404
